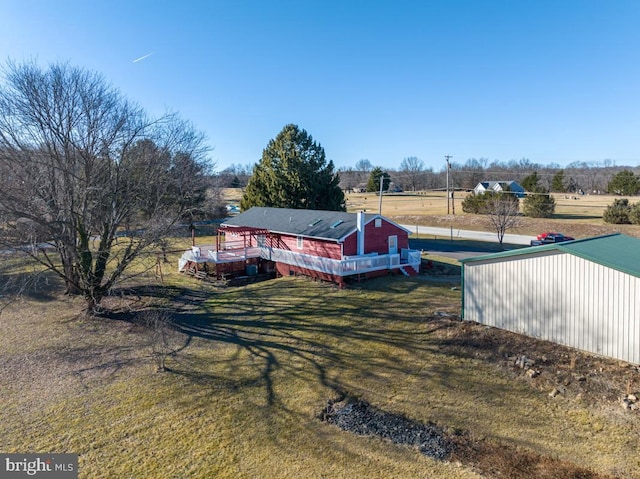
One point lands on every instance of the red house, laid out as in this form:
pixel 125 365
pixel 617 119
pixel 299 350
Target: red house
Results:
pixel 328 245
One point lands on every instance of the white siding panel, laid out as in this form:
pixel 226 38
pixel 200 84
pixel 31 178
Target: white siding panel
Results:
pixel 557 297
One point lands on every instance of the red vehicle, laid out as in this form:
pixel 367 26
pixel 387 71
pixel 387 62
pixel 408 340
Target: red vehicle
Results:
pixel 542 236
pixel 550 238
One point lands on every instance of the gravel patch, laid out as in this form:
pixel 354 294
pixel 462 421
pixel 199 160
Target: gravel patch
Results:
pixel 358 417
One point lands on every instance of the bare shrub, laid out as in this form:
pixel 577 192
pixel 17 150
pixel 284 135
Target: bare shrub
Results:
pixel 164 339
pixel 503 213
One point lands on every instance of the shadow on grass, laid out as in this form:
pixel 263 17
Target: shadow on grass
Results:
pixel 38 286
pixel 317 337
pixel 345 342
pixel 567 216
pixel 462 246
pixel 435 268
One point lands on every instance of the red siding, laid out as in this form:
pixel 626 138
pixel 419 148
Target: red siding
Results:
pixel 376 239
pixel 310 246
pixel 351 245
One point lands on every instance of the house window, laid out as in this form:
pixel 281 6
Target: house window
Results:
pixel 300 243
pixel 378 222
pixel 261 241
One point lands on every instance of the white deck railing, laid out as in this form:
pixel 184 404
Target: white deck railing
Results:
pixel 345 267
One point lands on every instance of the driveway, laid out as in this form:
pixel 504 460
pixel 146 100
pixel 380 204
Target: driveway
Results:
pixel 453 233
pixel 465 243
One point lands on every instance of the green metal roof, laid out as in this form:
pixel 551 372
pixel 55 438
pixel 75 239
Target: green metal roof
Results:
pixel 616 251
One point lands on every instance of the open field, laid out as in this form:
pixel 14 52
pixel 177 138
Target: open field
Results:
pixel 257 364
pixel 434 203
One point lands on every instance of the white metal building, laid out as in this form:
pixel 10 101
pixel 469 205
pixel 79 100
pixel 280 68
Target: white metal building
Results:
pixel 584 293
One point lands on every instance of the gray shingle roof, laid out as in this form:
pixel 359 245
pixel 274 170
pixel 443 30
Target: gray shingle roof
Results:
pixel 332 225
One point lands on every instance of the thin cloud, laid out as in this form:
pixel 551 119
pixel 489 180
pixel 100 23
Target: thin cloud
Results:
pixel 142 58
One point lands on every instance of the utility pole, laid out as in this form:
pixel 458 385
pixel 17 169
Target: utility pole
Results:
pixel 453 197
pixel 380 203
pixel 447 157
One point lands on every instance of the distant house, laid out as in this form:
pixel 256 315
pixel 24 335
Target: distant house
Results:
pixel 327 245
pixel 584 293
pixel 499 186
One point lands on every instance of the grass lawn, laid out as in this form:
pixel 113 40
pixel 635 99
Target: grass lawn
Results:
pixel 256 365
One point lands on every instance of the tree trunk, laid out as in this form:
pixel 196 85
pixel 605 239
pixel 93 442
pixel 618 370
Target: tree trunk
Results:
pixel 71 280
pixel 92 304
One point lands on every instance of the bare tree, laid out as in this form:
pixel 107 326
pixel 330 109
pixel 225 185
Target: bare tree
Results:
pixel 87 169
pixel 234 176
pixel 364 165
pixel 503 212
pixel 412 168
pixel 472 173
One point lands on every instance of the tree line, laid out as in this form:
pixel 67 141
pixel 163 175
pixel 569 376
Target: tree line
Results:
pixel 413 175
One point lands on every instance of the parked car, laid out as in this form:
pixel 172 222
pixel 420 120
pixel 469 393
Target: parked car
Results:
pixel 550 238
pixel 542 236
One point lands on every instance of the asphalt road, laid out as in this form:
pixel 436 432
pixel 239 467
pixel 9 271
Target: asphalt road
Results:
pixel 460 244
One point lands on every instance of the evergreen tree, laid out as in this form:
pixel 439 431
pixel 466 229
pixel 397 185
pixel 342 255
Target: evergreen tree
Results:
pixel 557 183
pixel 373 184
pixel 634 214
pixel 294 173
pixel 540 204
pixel 530 182
pixel 624 183
pixel 479 203
pixel 235 182
pixel 474 203
pixel 618 212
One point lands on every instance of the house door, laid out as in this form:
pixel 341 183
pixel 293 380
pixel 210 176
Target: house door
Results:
pixel 393 244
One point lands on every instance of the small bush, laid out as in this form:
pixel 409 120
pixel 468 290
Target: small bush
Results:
pixel 473 203
pixel 539 205
pixel 618 212
pixel 634 214
pixel 478 203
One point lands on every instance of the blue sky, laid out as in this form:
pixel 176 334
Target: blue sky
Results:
pixel 552 81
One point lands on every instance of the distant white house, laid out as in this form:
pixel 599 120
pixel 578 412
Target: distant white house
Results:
pixel 499 186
